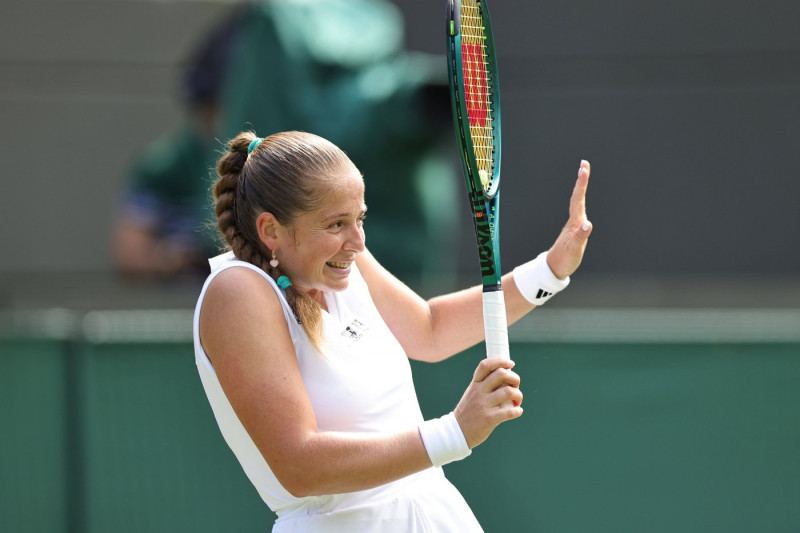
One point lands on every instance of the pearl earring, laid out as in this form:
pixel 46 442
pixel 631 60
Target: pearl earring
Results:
pixel 274 261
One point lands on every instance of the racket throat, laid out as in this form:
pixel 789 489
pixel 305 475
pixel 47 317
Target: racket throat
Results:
pixel 485 220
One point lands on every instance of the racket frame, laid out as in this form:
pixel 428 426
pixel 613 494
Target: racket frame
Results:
pixel 484 202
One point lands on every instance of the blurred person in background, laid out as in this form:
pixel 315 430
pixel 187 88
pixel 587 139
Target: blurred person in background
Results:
pixel 160 228
pixel 337 68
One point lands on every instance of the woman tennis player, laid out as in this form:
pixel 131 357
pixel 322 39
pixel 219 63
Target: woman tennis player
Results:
pixel 302 343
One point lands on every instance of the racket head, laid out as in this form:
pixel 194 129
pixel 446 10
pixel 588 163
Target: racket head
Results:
pixel 475 92
pixel 475 99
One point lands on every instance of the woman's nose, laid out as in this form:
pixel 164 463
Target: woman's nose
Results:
pixel 356 240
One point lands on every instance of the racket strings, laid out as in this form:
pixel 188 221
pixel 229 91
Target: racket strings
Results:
pixel 478 88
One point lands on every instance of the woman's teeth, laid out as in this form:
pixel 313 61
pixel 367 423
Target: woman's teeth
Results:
pixel 338 265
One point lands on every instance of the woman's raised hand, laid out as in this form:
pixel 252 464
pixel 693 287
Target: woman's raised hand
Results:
pixel 567 253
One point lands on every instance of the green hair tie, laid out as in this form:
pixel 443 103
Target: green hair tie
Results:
pixel 253 144
pixel 284 283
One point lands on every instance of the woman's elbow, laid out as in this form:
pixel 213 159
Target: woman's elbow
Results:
pixel 299 485
pixel 302 479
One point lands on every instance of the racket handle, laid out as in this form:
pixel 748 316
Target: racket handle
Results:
pixel 496 327
pixel 495 324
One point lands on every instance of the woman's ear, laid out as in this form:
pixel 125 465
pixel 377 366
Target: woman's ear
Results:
pixel 267 227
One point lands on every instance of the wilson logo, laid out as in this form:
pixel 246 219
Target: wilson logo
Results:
pixel 475 86
pixel 484 227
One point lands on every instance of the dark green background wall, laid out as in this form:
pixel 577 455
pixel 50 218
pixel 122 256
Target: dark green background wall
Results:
pixel 117 436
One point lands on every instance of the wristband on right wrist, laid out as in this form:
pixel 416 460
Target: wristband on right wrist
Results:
pixel 443 439
pixel 536 282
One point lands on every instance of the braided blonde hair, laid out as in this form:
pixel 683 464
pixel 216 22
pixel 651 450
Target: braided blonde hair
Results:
pixel 286 174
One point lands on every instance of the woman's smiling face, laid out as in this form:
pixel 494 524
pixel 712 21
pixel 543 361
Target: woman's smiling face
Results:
pixel 317 251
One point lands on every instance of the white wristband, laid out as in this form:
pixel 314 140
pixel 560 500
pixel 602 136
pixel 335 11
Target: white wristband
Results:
pixel 444 441
pixel 536 282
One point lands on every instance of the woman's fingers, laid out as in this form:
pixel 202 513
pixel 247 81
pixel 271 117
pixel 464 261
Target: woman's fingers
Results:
pixel 501 385
pixel 503 396
pixel 492 398
pixel 577 202
pixel 489 365
pixel 500 377
pixel 567 252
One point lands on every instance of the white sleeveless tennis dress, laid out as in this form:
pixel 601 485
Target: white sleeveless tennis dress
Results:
pixel 362 384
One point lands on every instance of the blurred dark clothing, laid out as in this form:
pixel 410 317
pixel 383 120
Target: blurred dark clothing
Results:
pixel 336 68
pixel 169 194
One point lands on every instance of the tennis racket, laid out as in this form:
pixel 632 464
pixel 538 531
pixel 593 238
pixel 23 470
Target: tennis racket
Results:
pixel 475 97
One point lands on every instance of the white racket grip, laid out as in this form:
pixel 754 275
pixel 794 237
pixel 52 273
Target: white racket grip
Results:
pixel 495 324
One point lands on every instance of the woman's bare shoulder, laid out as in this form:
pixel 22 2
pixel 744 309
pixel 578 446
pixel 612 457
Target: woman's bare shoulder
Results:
pixel 239 305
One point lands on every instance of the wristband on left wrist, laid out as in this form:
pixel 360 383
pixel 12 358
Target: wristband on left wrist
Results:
pixel 536 281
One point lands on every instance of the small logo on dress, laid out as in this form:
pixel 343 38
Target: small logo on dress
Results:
pixel 355 330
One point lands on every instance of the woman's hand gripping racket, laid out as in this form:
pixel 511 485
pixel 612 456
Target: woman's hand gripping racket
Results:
pixel 475 98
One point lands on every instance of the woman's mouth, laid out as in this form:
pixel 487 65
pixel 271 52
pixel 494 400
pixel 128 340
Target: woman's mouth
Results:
pixel 337 264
